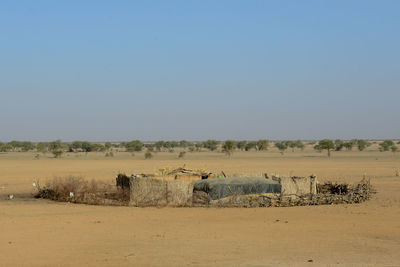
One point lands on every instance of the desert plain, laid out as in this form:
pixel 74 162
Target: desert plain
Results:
pixel 37 232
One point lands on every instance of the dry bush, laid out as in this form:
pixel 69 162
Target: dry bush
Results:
pixel 65 185
pixel 109 154
pixel 60 188
pixel 148 155
pixel 92 186
pixel 83 191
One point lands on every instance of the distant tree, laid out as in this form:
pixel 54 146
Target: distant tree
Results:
pixel 228 147
pixel 2 147
pixel 56 147
pixel 210 144
pixel 350 144
pixel 134 146
pixel 393 148
pixel 118 145
pixel 107 145
pixel 98 147
pixel 15 145
pixel 339 144
pixel 87 147
pixel 326 144
pixel 74 146
pixel 262 144
pixel 5 147
pixel 42 147
pixel 26 146
pixel 291 144
pixel 282 146
pixel 386 145
pixel 184 143
pixel 241 145
pixel 174 144
pixel 318 148
pixel 362 144
pixel 250 145
pixel 299 144
pixel 181 154
pixel 198 146
pixel 20 146
pixel 159 145
pixel 170 145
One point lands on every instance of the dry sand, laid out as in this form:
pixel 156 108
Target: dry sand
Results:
pixel 45 233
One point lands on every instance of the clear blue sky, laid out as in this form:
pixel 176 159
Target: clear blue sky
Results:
pixel 149 70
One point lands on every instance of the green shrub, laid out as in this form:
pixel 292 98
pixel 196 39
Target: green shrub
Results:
pixel 262 144
pixel 362 144
pixel 282 146
pixel 241 145
pixel 386 145
pixel 134 146
pixel 210 144
pixel 228 147
pixel 250 145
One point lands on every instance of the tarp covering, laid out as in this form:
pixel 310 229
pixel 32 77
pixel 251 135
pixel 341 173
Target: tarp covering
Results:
pixel 223 187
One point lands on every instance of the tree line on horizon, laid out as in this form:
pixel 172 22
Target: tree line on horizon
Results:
pixel 57 148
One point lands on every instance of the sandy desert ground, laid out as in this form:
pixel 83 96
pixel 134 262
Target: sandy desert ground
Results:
pixel 37 232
